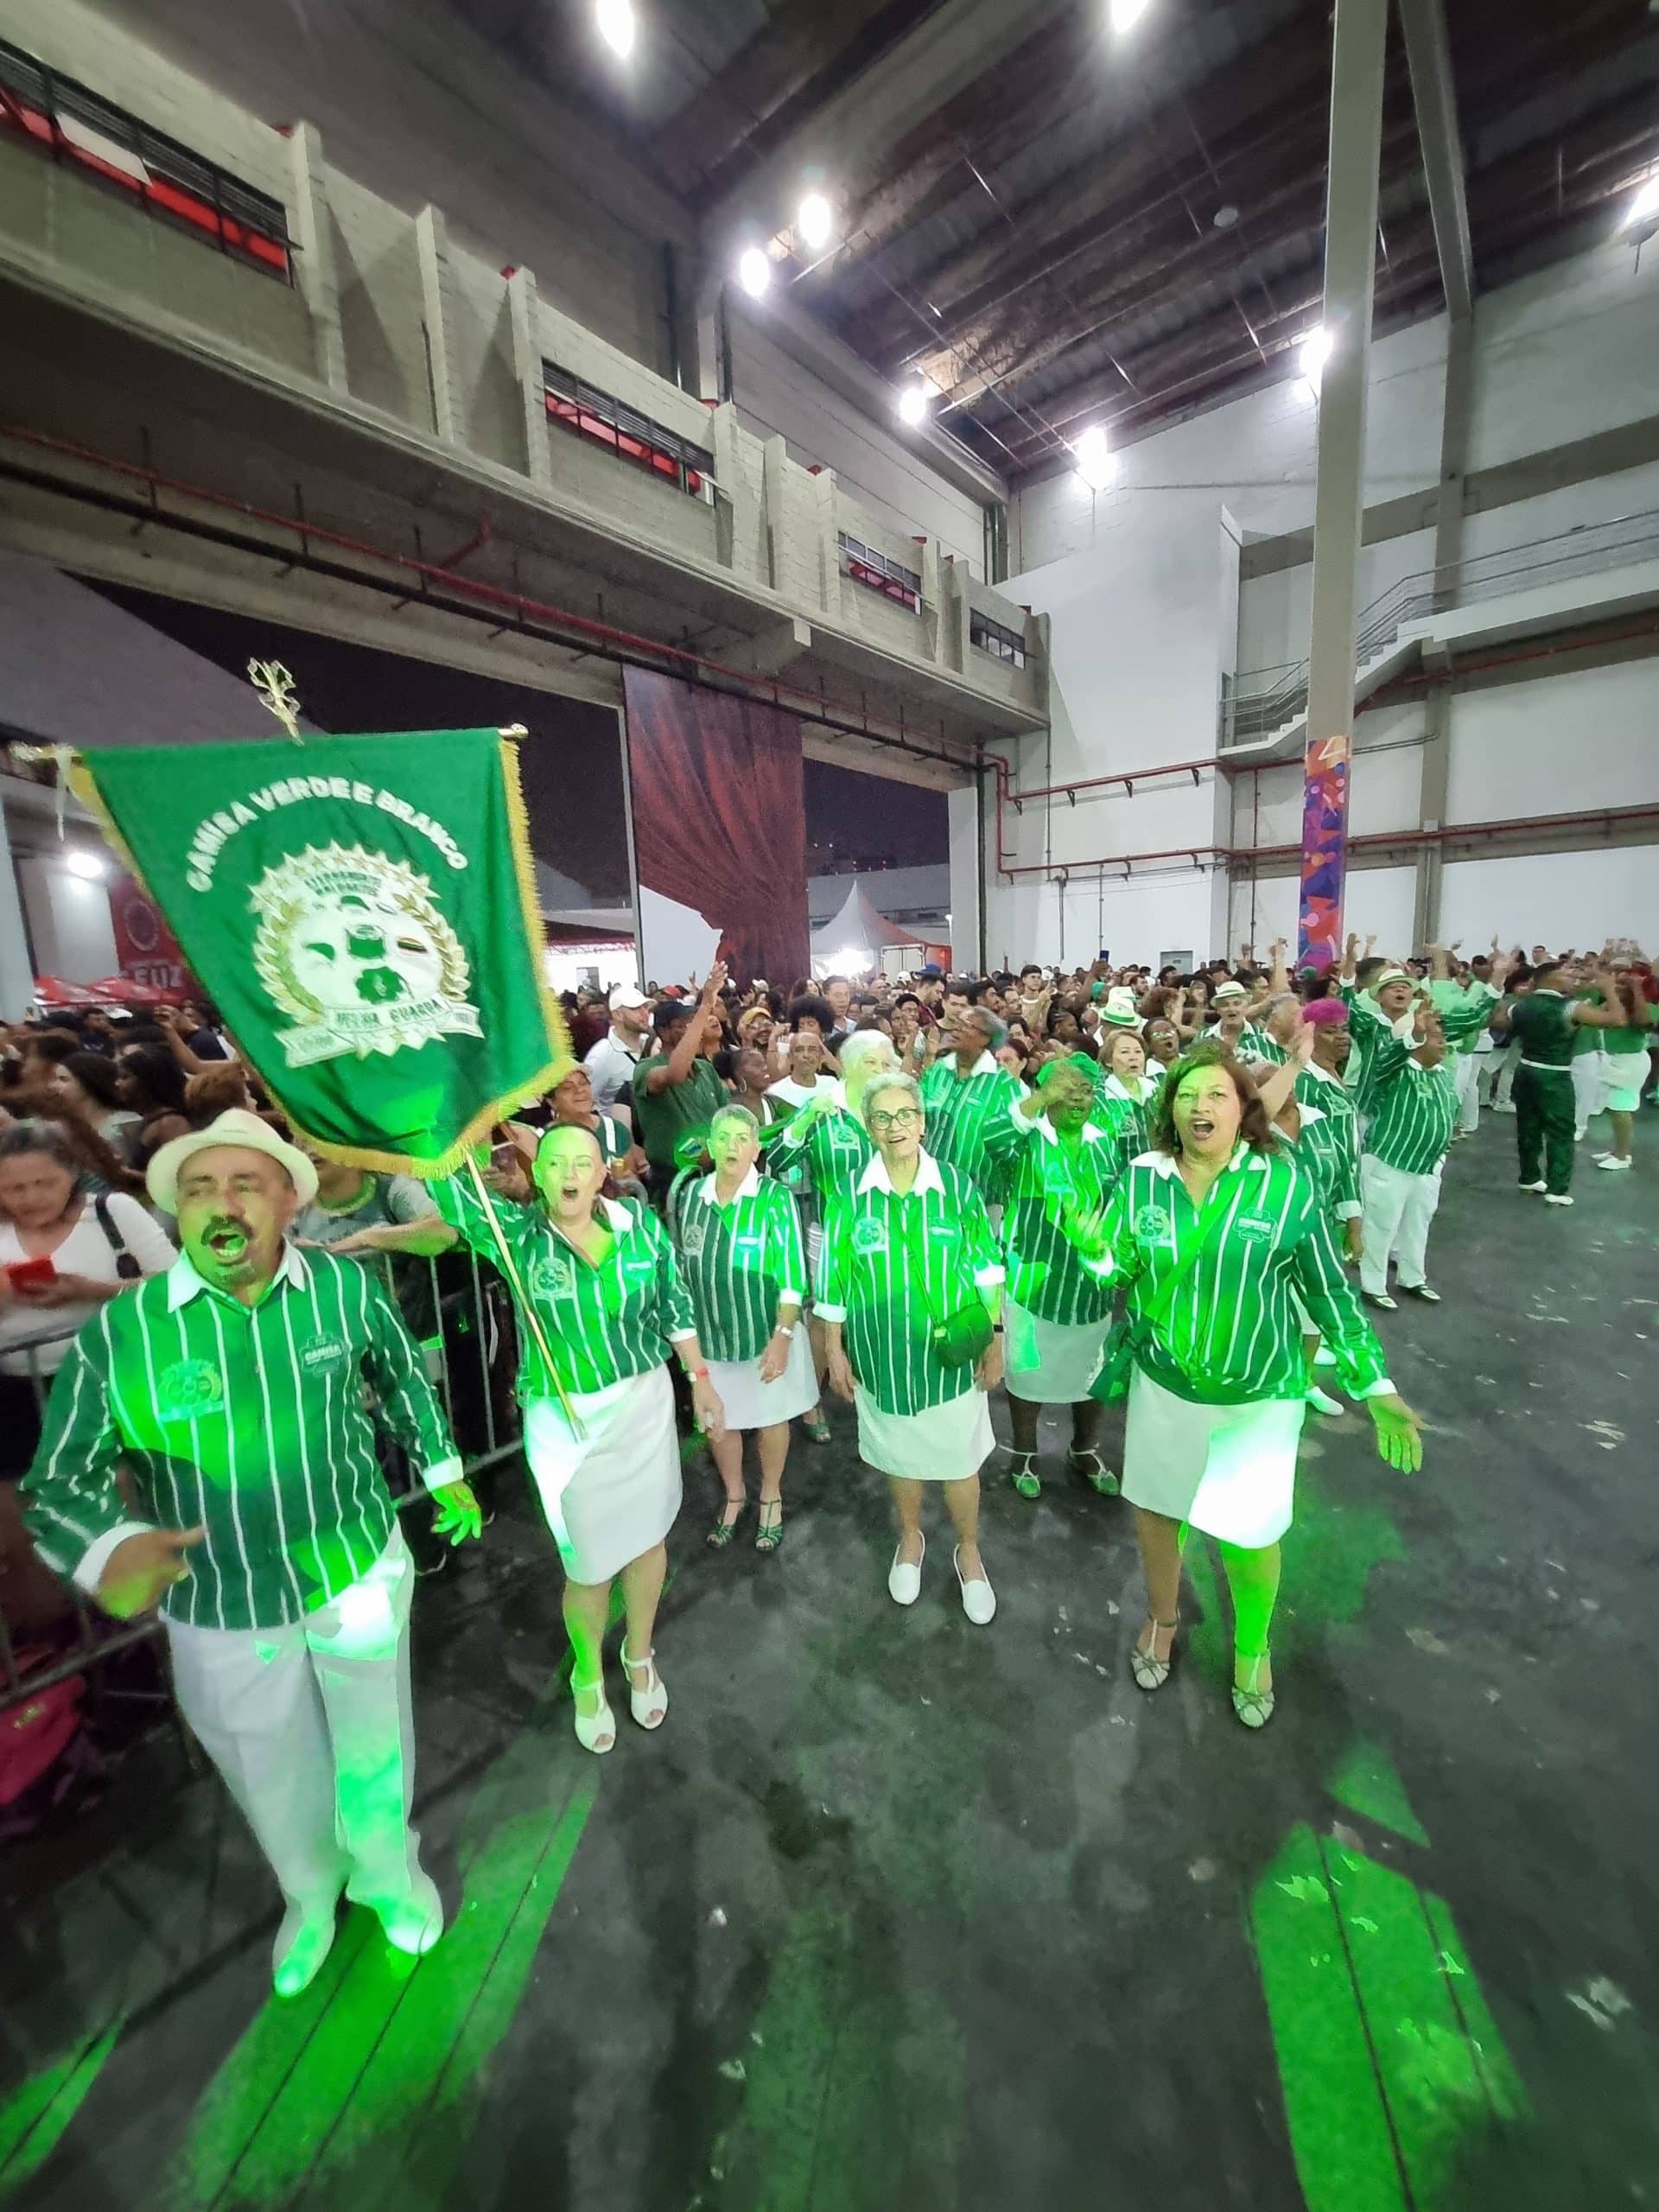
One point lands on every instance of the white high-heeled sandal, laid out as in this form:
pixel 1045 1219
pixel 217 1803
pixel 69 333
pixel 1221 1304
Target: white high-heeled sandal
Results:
pixel 1253 1704
pixel 595 1732
pixel 649 1706
pixel 1150 1672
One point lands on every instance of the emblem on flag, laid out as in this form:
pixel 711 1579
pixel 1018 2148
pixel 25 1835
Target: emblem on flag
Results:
pixel 869 1234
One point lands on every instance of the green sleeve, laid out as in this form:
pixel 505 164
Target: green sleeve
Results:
pixel 674 1315
pixel 984 1255
pixel 406 1402
pixel 459 1204
pixel 70 1497
pixel 785 1226
pixel 834 1281
pixel 1333 1305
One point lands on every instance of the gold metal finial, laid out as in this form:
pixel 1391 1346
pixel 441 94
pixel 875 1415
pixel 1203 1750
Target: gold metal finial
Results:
pixel 275 688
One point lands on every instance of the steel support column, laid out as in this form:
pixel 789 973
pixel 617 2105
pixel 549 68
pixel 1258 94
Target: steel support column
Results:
pixel 1438 708
pixel 1358 60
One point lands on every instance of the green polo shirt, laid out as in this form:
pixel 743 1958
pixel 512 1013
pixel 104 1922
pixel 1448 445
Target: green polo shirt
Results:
pixel 892 1265
pixel 1049 1180
pixel 1541 1023
pixel 834 1145
pixel 740 1262
pixel 249 1421
pixel 1338 1142
pixel 605 1324
pixel 959 1109
pixel 677 1108
pixel 1233 1333
pixel 1413 1109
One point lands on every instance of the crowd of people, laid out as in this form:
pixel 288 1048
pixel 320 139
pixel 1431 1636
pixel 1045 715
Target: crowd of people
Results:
pixel 734 1207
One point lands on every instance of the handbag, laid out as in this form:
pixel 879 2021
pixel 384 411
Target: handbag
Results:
pixel 958 1339
pixel 1128 1337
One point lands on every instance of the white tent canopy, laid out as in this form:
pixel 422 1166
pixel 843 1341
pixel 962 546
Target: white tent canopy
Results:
pixel 853 939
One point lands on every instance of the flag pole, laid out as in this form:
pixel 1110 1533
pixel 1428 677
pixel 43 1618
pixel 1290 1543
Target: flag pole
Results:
pixel 510 1268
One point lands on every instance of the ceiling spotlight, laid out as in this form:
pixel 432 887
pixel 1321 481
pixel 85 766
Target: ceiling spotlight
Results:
pixel 1224 218
pixel 754 271
pixel 1316 351
pixel 1644 209
pixel 1126 14
pixel 615 22
pixel 81 863
pixel 913 403
pixel 815 222
pixel 1093 458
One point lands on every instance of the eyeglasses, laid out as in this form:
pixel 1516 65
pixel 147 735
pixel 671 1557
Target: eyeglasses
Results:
pixel 902 1117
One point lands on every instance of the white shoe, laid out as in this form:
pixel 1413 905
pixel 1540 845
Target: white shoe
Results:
pixel 1323 1402
pixel 303 1942
pixel 904 1583
pixel 414 1925
pixel 1614 1165
pixel 1503 1107
pixel 1539 1185
pixel 978 1598
pixel 1556 1198
pixel 595 1732
pixel 649 1706
pixel 1324 1357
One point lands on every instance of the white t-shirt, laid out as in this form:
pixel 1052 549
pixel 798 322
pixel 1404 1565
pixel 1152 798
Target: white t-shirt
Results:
pixel 797 1093
pixel 85 1251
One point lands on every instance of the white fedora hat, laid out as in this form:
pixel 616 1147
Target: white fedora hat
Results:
pixel 235 1126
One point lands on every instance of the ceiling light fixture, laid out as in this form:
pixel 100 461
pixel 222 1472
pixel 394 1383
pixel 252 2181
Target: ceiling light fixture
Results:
pixel 1126 14
pixel 815 222
pixel 1093 458
pixel 1644 209
pixel 85 864
pixel 1316 350
pixel 1226 216
pixel 754 271
pixel 616 24
pixel 914 402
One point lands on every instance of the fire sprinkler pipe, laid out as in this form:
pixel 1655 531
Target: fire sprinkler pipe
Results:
pixel 626 646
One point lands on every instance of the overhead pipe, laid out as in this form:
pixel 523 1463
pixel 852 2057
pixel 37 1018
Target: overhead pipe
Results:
pixel 605 639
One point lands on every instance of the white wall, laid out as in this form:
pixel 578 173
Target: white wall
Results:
pixel 1133 581
pixel 1555 899
pixel 69 921
pixel 776 396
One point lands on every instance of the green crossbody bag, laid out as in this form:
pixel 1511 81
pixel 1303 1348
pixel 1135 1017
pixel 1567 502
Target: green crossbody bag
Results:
pixel 959 1338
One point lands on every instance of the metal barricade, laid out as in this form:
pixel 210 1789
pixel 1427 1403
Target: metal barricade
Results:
pixel 461 1316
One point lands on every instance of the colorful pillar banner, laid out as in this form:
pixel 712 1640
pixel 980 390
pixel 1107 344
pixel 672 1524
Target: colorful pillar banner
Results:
pixel 1325 851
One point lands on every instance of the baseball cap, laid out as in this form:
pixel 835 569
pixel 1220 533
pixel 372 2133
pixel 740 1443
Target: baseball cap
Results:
pixel 626 995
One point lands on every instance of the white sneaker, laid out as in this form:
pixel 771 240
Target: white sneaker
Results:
pixel 414 1925
pixel 1613 1164
pixel 978 1598
pixel 1556 1198
pixel 1503 1107
pixel 1323 1402
pixel 904 1583
pixel 303 1942
pixel 1539 1185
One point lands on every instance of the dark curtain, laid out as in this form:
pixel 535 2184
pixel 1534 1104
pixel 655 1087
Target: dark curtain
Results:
pixel 720 818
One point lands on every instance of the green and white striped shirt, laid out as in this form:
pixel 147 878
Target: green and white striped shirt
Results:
pixel 834 1143
pixel 739 1262
pixel 249 1421
pixel 1317 1149
pixel 892 1266
pixel 1413 1109
pixel 1464 1010
pixel 606 1323
pixel 960 1108
pixel 1049 1179
pixel 1318 1091
pixel 1126 1121
pixel 1257 1045
pixel 1233 1334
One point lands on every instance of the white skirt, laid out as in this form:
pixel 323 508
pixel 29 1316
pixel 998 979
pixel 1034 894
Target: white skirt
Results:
pixel 1050 1363
pixel 613 1494
pixel 749 1402
pixel 1230 1471
pixel 941 1444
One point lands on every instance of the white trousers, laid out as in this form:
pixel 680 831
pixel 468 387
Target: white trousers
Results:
pixel 1506 1063
pixel 310 1725
pixel 1398 1211
pixel 1469 1067
pixel 1589 1088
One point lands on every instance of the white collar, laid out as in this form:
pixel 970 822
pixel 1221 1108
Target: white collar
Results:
pixel 621 1217
pixel 746 1189
pixel 1306 1114
pixel 183 1282
pixel 631 1045
pixel 1324 1075
pixel 1114 1087
pixel 876 1178
pixel 1243 1156
pixel 1091 1132
pixel 985 1064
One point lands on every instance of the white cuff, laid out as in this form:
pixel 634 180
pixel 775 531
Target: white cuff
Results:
pixel 792 1297
pixel 681 1336
pixel 1406 1027
pixel 1380 1389
pixel 96 1557
pixel 988 1278
pixel 443 1471
pixel 1349 1210
pixel 830 1313
pixel 1104 1265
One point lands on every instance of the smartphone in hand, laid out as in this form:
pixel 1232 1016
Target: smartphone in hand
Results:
pixel 31 1274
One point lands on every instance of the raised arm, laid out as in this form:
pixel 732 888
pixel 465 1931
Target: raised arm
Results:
pixel 683 1058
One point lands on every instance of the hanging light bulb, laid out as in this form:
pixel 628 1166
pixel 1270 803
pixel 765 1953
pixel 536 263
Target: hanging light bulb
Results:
pixel 1093 458
pixel 914 402
pixel 754 271
pixel 1317 348
pixel 1126 14
pixel 615 21
pixel 815 222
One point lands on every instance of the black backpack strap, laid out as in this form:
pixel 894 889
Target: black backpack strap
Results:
pixel 126 1266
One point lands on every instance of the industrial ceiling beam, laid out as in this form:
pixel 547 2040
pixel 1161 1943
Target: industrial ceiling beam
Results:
pixel 1433 88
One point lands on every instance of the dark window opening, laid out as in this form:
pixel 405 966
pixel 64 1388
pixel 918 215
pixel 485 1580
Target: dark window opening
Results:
pixel 64 122
pixel 606 421
pixel 991 638
pixel 878 572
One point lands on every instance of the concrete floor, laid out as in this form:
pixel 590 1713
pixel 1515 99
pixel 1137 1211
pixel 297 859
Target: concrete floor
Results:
pixel 899 1913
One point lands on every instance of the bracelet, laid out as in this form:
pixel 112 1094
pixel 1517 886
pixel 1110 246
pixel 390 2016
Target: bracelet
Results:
pixel 784 1329
pixel 697 1374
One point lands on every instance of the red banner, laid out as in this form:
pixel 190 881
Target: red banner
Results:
pixel 147 950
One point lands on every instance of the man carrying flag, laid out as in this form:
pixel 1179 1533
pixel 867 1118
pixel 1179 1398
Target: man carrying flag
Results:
pixel 233 1388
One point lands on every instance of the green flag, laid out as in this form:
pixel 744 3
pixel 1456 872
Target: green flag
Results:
pixel 363 910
